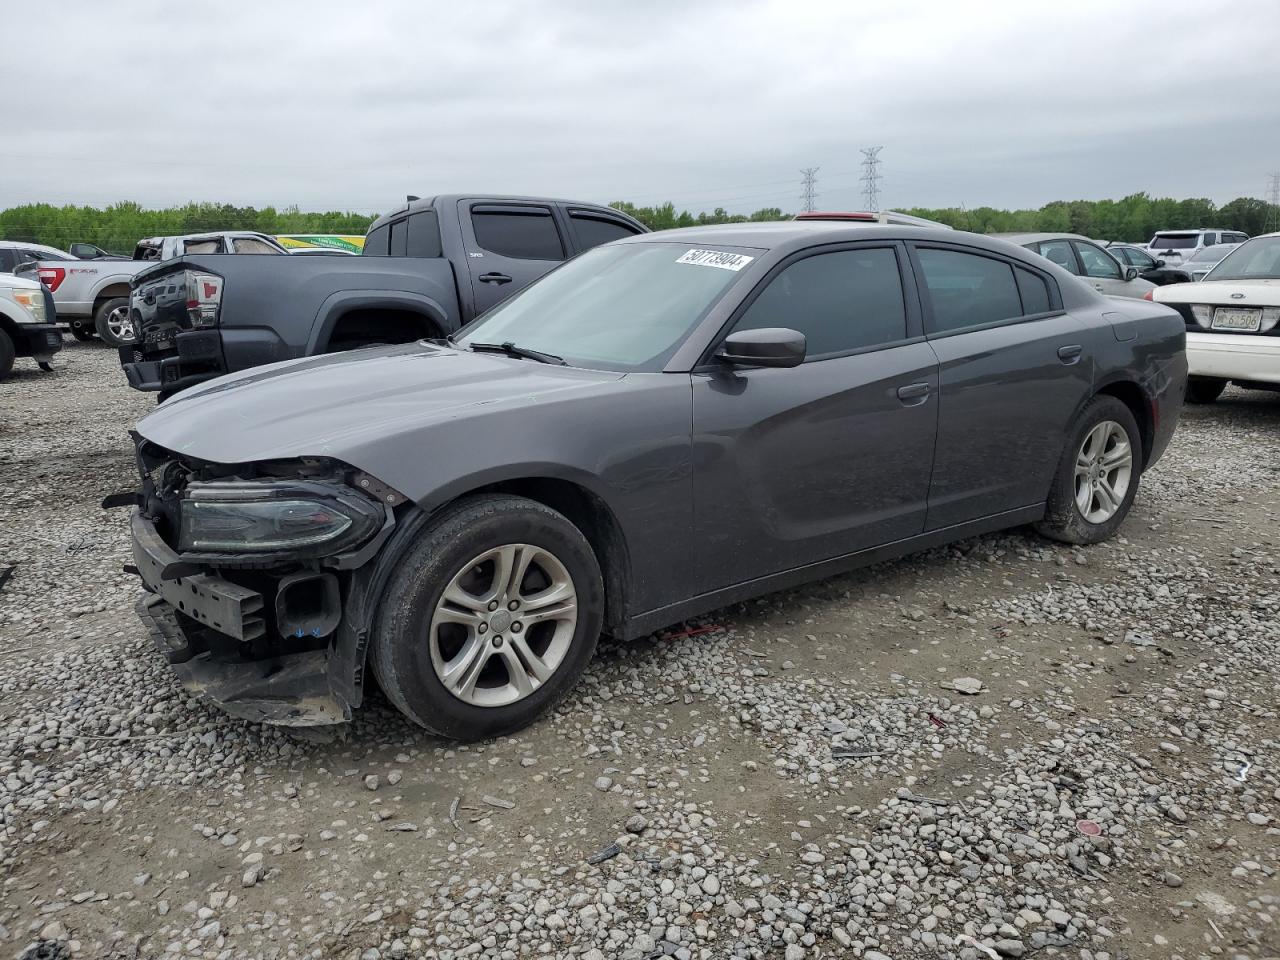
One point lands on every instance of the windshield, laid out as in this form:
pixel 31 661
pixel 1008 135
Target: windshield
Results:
pixel 1255 260
pixel 623 307
pixel 1174 241
pixel 1212 254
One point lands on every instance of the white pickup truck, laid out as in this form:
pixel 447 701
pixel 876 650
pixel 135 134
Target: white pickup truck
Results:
pixel 92 296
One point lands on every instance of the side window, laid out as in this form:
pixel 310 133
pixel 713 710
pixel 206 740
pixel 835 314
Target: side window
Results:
pixel 1141 260
pixel 399 239
pixel 967 290
pixel 593 231
pixel 378 242
pixel 1234 238
pixel 212 245
pixel 1210 239
pixel 1123 254
pixel 527 234
pixel 840 301
pixel 1033 290
pixel 1059 251
pixel 251 245
pixel 7 260
pixel 1097 263
pixel 424 235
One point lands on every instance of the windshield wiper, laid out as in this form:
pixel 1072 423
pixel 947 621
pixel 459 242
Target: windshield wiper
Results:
pixel 511 350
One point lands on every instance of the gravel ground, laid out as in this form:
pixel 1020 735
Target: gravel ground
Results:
pixel 1002 748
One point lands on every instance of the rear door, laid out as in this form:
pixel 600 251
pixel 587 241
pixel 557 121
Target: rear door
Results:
pixel 508 245
pixel 1013 368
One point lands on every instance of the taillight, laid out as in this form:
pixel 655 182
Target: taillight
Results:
pixel 1148 296
pixel 52 277
pixel 204 298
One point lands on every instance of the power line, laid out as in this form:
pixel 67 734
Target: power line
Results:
pixel 809 185
pixel 1273 211
pixel 871 177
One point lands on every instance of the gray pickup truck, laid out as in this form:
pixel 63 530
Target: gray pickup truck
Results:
pixel 427 268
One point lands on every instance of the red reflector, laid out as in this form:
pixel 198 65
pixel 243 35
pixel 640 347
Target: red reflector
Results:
pixel 52 277
pixel 1148 296
pixel 210 290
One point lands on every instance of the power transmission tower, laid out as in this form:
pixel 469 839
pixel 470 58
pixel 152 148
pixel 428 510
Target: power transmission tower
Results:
pixel 1273 210
pixel 810 187
pixel 871 177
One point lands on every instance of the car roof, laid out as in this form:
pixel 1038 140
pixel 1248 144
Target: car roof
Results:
pixel 27 245
pixel 786 235
pixel 1024 238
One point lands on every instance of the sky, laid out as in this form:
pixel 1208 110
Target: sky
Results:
pixel 715 103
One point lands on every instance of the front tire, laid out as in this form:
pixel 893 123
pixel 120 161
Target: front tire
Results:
pixel 7 354
pixel 1205 389
pixel 489 619
pixel 1097 477
pixel 113 323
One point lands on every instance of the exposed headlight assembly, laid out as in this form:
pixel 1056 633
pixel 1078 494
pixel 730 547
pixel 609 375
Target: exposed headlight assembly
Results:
pixel 301 518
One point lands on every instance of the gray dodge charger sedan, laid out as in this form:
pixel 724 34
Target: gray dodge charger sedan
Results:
pixel 659 427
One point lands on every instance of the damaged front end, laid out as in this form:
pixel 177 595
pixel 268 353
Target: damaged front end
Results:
pixel 261 578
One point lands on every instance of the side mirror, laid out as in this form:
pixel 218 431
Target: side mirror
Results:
pixel 1131 273
pixel 766 347
pixel 1159 264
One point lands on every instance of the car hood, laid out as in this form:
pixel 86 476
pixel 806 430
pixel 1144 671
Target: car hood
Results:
pixel 340 405
pixel 1243 293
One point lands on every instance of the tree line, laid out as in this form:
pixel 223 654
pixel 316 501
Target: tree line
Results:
pixel 118 227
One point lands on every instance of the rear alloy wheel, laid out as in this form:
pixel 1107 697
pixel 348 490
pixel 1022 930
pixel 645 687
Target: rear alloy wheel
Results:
pixel 1205 389
pixel 1097 477
pixel 489 618
pixel 113 323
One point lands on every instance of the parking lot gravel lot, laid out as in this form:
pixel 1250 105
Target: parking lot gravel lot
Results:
pixel 1002 748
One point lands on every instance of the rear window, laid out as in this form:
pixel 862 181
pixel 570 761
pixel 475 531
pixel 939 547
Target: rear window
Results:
pixel 1174 241
pixel 377 243
pixel 424 235
pixel 593 231
pixel 524 234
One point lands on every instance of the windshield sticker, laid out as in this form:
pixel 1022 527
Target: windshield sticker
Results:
pixel 714 258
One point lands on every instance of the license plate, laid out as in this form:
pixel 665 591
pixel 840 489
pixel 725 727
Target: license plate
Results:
pixel 1248 319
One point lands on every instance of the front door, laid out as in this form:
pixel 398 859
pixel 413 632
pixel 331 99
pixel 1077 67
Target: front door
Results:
pixel 1012 367
pixel 509 245
pixel 794 466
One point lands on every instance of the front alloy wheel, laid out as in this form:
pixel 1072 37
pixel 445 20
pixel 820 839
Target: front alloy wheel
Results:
pixel 490 616
pixel 503 625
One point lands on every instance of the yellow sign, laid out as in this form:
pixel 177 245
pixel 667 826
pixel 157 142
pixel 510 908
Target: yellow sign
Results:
pixel 292 241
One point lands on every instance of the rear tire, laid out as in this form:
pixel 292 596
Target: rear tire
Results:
pixel 112 322
pixel 7 354
pixel 1097 477
pixel 468 667
pixel 1205 389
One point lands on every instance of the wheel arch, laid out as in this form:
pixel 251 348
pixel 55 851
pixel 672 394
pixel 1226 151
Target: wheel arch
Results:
pixel 109 290
pixel 1132 395
pixel 403 304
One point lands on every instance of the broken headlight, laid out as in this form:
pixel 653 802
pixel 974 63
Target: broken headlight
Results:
pixel 308 518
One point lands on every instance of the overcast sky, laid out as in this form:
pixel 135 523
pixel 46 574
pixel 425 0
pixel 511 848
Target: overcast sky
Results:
pixel 351 105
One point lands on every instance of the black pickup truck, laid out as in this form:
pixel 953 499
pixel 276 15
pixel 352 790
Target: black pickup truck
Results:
pixel 427 269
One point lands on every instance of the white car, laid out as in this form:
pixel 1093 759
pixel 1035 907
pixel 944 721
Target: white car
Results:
pixel 1205 259
pixel 26 329
pixel 1088 261
pixel 1232 318
pixel 1175 247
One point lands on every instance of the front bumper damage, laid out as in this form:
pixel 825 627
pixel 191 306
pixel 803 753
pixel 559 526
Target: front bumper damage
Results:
pixel 281 640
pixel 209 629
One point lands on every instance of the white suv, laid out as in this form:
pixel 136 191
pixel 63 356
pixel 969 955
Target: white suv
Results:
pixel 1175 247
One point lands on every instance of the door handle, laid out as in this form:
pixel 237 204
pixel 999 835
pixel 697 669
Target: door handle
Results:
pixel 498 278
pixel 913 394
pixel 1070 353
